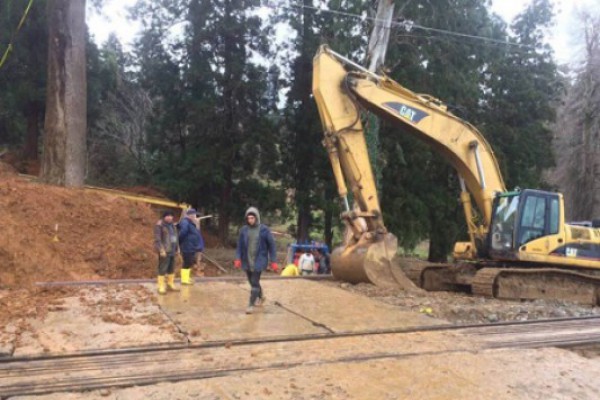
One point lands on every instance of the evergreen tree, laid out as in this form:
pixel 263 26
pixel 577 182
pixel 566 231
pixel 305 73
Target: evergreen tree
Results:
pixel 422 202
pixel 306 162
pixel 241 132
pixel 505 92
pixel 212 138
pixel 519 104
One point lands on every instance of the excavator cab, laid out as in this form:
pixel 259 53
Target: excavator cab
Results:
pixel 521 217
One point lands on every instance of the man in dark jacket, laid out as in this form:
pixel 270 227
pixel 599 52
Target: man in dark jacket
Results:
pixel 255 248
pixel 165 243
pixel 191 243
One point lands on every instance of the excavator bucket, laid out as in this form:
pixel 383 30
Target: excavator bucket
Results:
pixel 371 263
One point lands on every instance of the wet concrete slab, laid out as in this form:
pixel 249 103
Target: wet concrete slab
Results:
pixel 122 316
pixel 215 311
pixel 97 319
pixel 340 310
pixel 6 345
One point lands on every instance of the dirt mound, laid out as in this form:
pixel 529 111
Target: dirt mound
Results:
pixel 51 233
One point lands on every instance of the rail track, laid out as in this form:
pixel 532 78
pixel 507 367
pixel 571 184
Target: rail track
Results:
pixel 149 365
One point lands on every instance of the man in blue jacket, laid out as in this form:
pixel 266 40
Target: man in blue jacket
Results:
pixel 191 243
pixel 255 248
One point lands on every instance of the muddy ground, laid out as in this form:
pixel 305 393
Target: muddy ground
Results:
pixel 457 308
pixel 417 365
pixel 460 308
pixel 548 374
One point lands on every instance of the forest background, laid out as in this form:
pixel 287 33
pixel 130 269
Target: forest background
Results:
pixel 212 105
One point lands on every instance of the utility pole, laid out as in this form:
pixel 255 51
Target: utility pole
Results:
pixel 380 36
pixel 378 43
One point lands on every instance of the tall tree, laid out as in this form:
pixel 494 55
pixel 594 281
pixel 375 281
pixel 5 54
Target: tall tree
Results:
pixel 302 121
pixel 420 190
pixel 232 138
pixel 523 89
pixel 307 166
pixel 212 135
pixel 63 160
pixel 577 131
pixel 507 91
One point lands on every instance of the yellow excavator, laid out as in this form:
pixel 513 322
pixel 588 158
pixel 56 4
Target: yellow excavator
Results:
pixel 519 243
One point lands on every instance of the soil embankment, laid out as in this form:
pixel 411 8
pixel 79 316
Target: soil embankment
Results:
pixel 50 233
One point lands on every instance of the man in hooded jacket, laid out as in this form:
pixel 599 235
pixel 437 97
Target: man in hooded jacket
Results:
pixel 255 248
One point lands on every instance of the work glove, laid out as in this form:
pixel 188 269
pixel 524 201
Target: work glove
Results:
pixel 237 264
pixel 162 254
pixel 274 267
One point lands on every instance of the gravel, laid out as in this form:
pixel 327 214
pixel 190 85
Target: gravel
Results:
pixel 460 308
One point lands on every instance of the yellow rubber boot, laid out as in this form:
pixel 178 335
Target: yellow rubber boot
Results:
pixel 162 288
pixel 186 278
pixel 171 283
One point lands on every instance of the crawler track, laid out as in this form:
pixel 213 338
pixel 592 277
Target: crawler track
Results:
pixel 518 282
pixel 537 283
pixel 149 365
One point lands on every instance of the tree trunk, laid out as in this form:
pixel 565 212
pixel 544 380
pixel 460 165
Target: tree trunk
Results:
pixel 438 243
pixel 304 162
pixel 30 148
pixel 63 160
pixel 328 234
pixel 224 207
pixel 304 220
pixel 330 196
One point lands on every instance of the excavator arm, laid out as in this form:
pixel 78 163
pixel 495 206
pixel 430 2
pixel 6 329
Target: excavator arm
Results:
pixel 341 88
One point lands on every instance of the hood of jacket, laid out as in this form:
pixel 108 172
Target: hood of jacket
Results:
pixel 253 211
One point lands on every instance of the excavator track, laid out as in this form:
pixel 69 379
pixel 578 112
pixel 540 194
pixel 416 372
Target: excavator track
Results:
pixel 427 276
pixel 483 284
pixel 439 277
pixel 537 283
pixel 414 272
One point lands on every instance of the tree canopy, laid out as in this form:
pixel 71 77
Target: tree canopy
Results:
pixel 212 104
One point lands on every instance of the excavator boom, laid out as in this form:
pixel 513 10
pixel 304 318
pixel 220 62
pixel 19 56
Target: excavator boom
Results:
pixel 339 94
pixel 369 249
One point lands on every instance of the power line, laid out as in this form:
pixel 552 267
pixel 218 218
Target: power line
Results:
pixel 405 24
pixel 9 48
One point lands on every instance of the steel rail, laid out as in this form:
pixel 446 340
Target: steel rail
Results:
pixel 136 358
pixel 470 329
pixel 189 374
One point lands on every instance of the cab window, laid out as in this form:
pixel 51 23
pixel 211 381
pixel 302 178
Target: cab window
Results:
pixel 533 219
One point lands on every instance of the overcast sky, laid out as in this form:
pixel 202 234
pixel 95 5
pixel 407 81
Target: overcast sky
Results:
pixel 562 36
